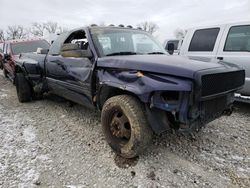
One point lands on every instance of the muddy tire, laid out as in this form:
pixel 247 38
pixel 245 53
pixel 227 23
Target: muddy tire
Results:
pixel 24 91
pixel 125 126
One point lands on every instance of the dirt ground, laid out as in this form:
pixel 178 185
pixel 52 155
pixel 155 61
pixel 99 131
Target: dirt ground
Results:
pixel 48 143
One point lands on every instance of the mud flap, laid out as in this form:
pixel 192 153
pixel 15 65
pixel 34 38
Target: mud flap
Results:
pixel 158 120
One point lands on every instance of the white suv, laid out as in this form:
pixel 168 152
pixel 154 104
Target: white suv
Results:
pixel 229 42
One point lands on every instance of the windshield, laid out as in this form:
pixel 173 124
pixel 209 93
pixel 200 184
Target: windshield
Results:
pixel 116 41
pixel 26 47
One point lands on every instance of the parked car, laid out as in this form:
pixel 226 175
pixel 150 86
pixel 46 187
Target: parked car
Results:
pixel 13 48
pixel 1 55
pixel 172 46
pixel 229 42
pixel 127 75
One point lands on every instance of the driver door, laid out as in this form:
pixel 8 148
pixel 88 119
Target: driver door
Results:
pixel 70 75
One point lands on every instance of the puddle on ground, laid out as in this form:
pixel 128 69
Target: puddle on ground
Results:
pixel 125 163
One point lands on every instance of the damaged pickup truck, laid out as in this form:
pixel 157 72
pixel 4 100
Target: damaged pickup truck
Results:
pixel 130 78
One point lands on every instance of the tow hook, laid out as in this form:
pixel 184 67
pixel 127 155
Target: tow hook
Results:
pixel 229 111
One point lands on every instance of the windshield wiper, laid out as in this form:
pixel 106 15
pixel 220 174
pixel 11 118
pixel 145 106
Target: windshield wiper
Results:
pixel 156 53
pixel 122 53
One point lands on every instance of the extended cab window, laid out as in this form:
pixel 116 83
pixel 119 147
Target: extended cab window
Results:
pixel 238 39
pixel 204 40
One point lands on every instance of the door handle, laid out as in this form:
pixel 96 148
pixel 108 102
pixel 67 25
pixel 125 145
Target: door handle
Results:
pixel 220 58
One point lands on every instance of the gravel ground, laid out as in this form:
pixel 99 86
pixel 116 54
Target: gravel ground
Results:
pixel 48 143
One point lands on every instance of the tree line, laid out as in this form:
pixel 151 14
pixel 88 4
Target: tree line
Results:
pixel 38 29
pixel 35 30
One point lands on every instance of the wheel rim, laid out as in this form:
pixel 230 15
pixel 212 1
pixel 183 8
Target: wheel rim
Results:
pixel 120 127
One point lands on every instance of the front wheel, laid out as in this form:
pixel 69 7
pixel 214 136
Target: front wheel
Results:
pixel 125 125
pixel 24 91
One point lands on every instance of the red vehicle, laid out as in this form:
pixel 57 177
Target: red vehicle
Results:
pixel 13 48
pixel 1 55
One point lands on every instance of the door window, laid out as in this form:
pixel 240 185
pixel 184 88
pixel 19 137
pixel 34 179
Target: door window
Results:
pixel 76 45
pixel 204 40
pixel 57 44
pixel 238 39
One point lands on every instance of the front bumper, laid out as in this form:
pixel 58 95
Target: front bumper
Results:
pixel 185 117
pixel 211 95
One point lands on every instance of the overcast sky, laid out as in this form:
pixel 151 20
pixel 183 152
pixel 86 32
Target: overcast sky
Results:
pixel 167 14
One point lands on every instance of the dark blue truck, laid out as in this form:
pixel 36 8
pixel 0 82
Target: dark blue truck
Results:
pixel 138 87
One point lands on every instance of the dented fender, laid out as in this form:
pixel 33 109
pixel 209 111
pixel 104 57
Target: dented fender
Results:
pixel 148 88
pixel 142 84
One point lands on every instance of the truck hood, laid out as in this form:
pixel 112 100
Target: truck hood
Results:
pixel 163 64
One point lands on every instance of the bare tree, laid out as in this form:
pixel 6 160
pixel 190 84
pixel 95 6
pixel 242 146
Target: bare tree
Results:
pixel 51 27
pixel 150 27
pixel 37 29
pixel 61 30
pixel 180 33
pixel 2 37
pixel 16 32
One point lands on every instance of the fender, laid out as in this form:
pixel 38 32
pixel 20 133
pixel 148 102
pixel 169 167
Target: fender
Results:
pixel 148 88
pixel 142 84
pixel 32 71
pixel 19 67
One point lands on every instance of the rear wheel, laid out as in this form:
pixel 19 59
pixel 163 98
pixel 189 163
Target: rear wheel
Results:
pixel 125 125
pixel 24 91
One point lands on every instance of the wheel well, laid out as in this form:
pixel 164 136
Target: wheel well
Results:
pixel 107 92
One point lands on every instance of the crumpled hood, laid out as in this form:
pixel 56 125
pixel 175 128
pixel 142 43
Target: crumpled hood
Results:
pixel 164 64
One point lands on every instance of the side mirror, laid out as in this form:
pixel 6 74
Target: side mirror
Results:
pixel 42 51
pixel 170 48
pixel 87 53
pixel 77 53
pixel 69 47
pixel 73 50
